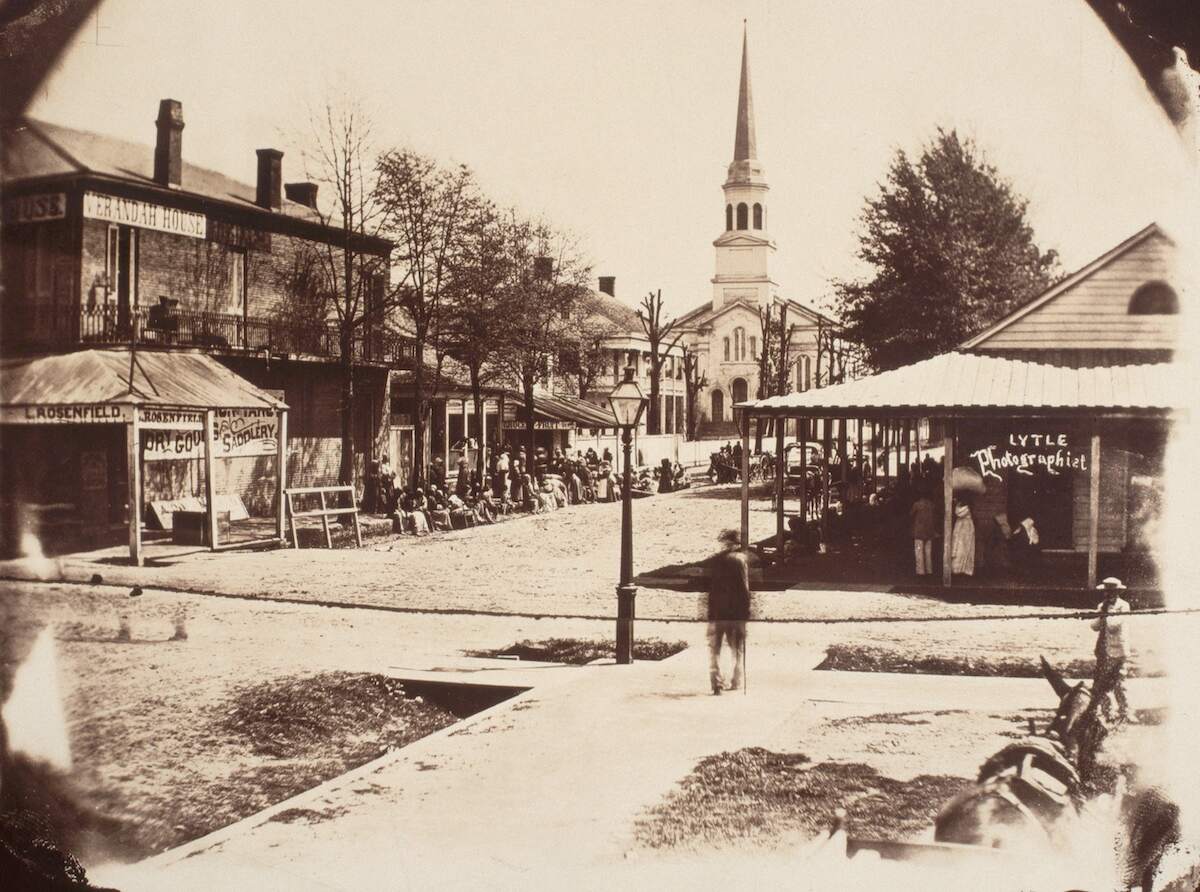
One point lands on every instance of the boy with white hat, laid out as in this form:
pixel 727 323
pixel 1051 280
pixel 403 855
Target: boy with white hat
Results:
pixel 1112 644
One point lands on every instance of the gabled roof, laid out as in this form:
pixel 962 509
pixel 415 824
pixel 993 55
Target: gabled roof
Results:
pixel 1066 284
pixel 964 382
pixel 121 376
pixel 704 313
pixel 605 309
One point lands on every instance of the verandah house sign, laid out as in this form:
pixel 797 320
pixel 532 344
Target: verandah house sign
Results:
pixel 1024 453
pixel 144 214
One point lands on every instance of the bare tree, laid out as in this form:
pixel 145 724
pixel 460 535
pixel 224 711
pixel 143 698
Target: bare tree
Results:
pixel 427 209
pixel 657 333
pixel 548 279
pixel 350 269
pixel 694 381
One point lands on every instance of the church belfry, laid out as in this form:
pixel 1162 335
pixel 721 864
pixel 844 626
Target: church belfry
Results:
pixel 744 248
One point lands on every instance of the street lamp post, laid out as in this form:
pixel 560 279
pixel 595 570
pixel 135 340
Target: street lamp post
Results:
pixel 627 405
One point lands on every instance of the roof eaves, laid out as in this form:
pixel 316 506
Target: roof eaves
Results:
pixel 1058 288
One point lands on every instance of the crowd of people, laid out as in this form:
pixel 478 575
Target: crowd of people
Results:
pixel 514 483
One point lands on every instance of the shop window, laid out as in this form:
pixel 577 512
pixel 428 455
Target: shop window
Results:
pixel 742 212
pixel 758 216
pixel 1154 299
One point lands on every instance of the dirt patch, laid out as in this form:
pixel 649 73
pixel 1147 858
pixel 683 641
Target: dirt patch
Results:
pixel 858 658
pixel 266 743
pixel 307 815
pixel 769 798
pixel 581 651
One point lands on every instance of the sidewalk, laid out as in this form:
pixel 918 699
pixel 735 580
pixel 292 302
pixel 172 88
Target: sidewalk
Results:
pixel 547 786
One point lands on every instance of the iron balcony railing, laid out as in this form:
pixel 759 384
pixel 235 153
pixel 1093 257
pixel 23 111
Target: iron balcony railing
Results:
pixel 56 327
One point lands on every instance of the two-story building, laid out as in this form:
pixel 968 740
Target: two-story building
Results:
pixel 113 245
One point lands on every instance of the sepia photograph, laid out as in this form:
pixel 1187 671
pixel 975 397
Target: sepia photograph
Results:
pixel 695 444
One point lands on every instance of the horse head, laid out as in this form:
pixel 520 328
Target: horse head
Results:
pixel 1078 724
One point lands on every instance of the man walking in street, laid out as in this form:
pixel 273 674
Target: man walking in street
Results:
pixel 1112 644
pixel 728 610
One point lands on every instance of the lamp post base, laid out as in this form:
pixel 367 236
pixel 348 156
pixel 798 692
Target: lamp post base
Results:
pixel 625 614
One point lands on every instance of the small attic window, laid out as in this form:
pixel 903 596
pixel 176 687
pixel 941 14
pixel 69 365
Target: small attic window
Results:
pixel 1154 299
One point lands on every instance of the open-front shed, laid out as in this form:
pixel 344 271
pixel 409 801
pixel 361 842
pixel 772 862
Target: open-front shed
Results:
pixel 93 436
pixel 1079 449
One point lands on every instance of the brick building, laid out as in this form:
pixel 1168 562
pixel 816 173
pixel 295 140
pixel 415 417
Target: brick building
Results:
pixel 116 244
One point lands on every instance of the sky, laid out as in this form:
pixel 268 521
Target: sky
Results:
pixel 615 120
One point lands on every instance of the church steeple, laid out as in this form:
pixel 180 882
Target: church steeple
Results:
pixel 744 148
pixel 744 249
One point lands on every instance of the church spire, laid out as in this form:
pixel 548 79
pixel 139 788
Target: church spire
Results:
pixel 743 142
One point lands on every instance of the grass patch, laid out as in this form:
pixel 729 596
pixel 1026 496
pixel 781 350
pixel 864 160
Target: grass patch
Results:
pixel 855 658
pixel 267 742
pixel 765 797
pixel 581 651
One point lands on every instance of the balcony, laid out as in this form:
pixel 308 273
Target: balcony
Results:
pixel 56 327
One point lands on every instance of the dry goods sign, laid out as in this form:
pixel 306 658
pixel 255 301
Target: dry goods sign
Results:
pixel 237 433
pixel 1025 453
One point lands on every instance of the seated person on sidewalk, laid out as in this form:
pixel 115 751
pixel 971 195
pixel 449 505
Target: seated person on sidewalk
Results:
pixel 439 513
pixel 483 505
pixel 528 496
pixel 413 514
pixel 461 516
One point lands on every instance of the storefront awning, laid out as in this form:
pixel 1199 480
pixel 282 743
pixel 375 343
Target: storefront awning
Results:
pixel 567 409
pixel 90 386
pixel 968 384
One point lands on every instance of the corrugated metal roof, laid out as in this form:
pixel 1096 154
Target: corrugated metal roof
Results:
pixel 968 381
pixel 128 377
pixel 569 408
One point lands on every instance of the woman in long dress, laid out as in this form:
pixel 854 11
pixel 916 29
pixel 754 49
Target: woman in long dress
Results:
pixel 962 545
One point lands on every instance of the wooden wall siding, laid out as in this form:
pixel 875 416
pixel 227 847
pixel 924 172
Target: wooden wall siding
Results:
pixel 1114 477
pixel 1094 314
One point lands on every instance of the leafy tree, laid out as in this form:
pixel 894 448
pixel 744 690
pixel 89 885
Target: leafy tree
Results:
pixel 474 315
pixel 952 252
pixel 427 209
pixel 658 333
pixel 548 278
pixel 583 358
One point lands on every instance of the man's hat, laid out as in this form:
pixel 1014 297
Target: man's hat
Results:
pixel 1111 582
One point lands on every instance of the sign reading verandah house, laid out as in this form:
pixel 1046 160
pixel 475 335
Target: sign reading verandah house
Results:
pixel 144 214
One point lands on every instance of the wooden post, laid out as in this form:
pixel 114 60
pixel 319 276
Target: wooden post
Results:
pixel 281 461
pixel 948 503
pixel 446 435
pixel 133 453
pixel 1094 513
pixel 827 445
pixel 745 480
pixel 292 514
pixel 907 443
pixel 210 476
pixel 858 453
pixel 500 422
pixel 325 520
pixel 780 481
pixel 803 437
pixel 885 441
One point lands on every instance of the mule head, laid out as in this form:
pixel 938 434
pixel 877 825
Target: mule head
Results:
pixel 1077 722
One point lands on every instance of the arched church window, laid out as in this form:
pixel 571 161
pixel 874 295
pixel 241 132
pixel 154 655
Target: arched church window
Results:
pixel 727 349
pixel 728 217
pixel 742 211
pixel 753 347
pixel 738 390
pixel 1154 299
pixel 739 344
pixel 758 216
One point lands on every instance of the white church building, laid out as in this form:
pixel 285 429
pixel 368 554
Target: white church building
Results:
pixel 725 333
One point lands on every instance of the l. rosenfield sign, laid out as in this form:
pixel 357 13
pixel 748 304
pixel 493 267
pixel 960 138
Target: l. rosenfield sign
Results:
pixel 144 214
pixel 1024 453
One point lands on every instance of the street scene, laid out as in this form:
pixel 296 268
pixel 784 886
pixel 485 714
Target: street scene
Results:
pixel 432 456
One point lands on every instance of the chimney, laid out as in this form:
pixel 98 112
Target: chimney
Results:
pixel 301 193
pixel 168 148
pixel 270 179
pixel 608 285
pixel 543 268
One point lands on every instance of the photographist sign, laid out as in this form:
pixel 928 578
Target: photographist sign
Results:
pixel 1024 453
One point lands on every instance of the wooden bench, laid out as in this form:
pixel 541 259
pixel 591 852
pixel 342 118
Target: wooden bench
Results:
pixel 324 512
